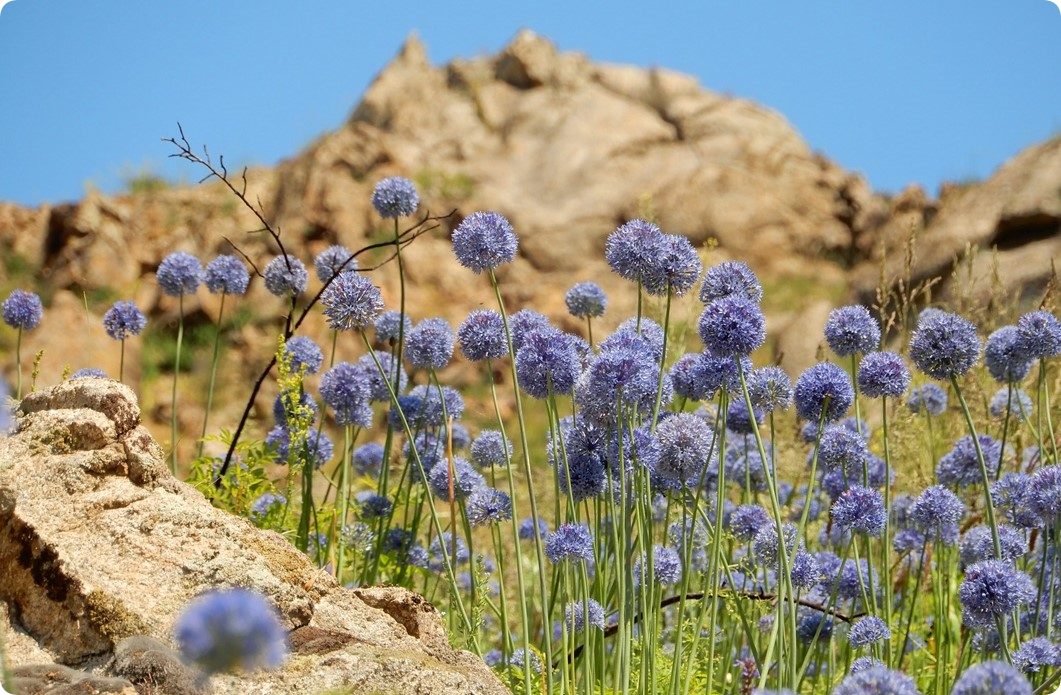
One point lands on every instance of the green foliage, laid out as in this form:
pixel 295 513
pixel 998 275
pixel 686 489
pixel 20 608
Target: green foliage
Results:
pixel 245 481
pixel 145 182
pixel 446 186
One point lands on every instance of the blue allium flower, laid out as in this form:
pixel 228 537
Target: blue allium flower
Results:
pixel 1044 496
pixel 347 389
pixel 22 310
pixel 1014 401
pixel 179 274
pixel 391 368
pixel 265 503
pixel 372 506
pixel 867 631
pixel 1038 335
pixel 586 300
pixel 231 630
pixel 430 344
pixel 676 269
pixel 488 506
pixel 523 323
pixel 548 361
pixel 944 346
pixel 992 589
pixel 226 275
pixel 908 540
pixel 991 678
pixel 930 399
pixel 730 278
pixel 442 547
pixel 770 389
pixel 482 335
pixel 483 241
pixel 765 546
pixel 526 528
pixel 823 387
pixel 666 566
pixel 978 544
pixel 685 443
pixel 584 474
pixel 569 542
pixel 813 624
pixel 89 372
pixel 395 197
pixel 1004 357
pixel 398 540
pixel 520 656
pixel 578 615
pixel 960 467
pixel 281 408
pixel 491 448
pixel 303 353
pixel 883 375
pixel 1012 494
pixel 466 480
pixel 623 376
pixel 633 250
pixel 937 510
pixel 847 578
pixel 747 520
pixel 840 449
pixel 286 276
pixel 319 447
pixel 332 261
pixel 852 329
pixel 861 510
pixel 358 536
pixel 687 378
pixel 864 663
pixel 351 302
pixel 1035 653
pixel 123 320
pixel 367 459
pixel 877 681
pixel 733 325
pixel 437 405
pixel 389 324
pixel 740 420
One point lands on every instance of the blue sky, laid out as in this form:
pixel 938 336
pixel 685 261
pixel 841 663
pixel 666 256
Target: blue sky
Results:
pixel 925 90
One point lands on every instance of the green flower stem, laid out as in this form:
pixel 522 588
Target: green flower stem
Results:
pixel 18 364
pixel 885 544
pixel 344 500
pixel 173 399
pixel 121 364
pixel 213 373
pixel 662 360
pixel 989 506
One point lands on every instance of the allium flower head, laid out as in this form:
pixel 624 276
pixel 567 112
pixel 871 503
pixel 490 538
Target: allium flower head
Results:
pixel 368 459
pixel 688 378
pixel 666 566
pixel 930 399
pixel 179 273
pixel 491 448
pixel 937 510
pixel 623 376
pixel 318 446
pixel 548 361
pixel 526 528
pixel 960 467
pixel 389 325
pixel 347 389
pixel 388 366
pixel 482 335
pixel 1039 335
pixel 823 386
pixel 442 547
pixel 730 278
pixel 840 449
pixel 864 663
pixel 992 589
pixel 883 375
pixel 569 542
pixel 303 353
pixel 685 443
pixel 123 320
pixel 231 630
pixel 741 420
pixel 332 261
pixel 22 310
pixel 1012 494
pixel 372 506
pixel 877 681
pixel 770 389
pixel 867 631
pixel 265 503
pixel 523 323
pixel 747 520
pixel 226 275
pixel 631 329
pixel 944 345
pixel 280 408
pixel 394 197
pixel 578 615
pixel 1036 653
pixel 586 300
pixel 991 678
pixel 676 269
pixel 861 510
pixel 430 344
pixel 978 544
pixel 732 325
pixel 483 241
pixel 1003 356
pixel 351 302
pixel 1011 400
pixel 466 480
pixel 1044 496
pixel 285 276
pixel 488 506
pixel 633 250
pixel 852 329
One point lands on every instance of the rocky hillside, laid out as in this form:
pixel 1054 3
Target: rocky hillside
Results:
pixel 567 149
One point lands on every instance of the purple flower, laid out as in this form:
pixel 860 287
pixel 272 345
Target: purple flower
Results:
pixel 991 677
pixel 992 589
pixel 747 520
pixel 586 300
pixel 430 344
pixel 883 375
pixel 666 566
pixel 687 378
pixel 823 388
pixel 623 376
pixel 318 446
pixel 864 663
pixel 1036 653
pixel 372 506
pixel 960 467
pixel 391 367
pixel 91 372
pixel 1009 400
pixel 730 278
pixel 978 544
pixel 389 325
pixel 1004 357
pixel 930 399
pixel 877 681
pixel 944 345
pixel 179 274
pixel 582 462
pixel 286 276
pixel 368 459
pixel 226 275
pixel 685 443
pixel 483 241
pixel 867 631
pixel 526 528
pixel 578 615
pixel 569 542
pixel 1039 335
pixel 548 362
pixel 488 506
pixel 347 390
pixel 523 323
pixel 228 630
pixel 22 310
pixel 1044 496
pixel 840 449
pixel 333 261
pixel 937 510
pixel 351 302
pixel 1012 494
pixel 851 329
pixel 740 420
pixel 395 197
pixel 633 250
pixel 442 547
pixel 303 353
pixel 123 320
pixel 631 329
pixel 676 269
pixel 265 504
pixel 770 389
pixel 860 510
pixel 280 408
pixel 732 325
pixel 482 335
pixel 491 448
pixel 466 480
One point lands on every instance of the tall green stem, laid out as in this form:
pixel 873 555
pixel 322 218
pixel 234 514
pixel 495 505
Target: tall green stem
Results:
pixel 173 399
pixel 213 373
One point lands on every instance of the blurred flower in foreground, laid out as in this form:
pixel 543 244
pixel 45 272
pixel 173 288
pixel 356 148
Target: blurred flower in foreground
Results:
pixel 228 630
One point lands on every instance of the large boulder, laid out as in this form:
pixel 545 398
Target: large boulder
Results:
pixel 101 549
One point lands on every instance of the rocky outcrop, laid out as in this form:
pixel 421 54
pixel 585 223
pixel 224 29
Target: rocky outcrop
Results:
pixel 100 546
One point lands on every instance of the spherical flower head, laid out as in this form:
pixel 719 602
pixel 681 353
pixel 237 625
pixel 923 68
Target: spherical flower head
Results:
pixel 687 378
pixel 813 624
pixel 978 544
pixel 578 615
pixel 488 506
pixel 347 389
pixel 1044 494
pixel 286 276
pixel 332 261
pixel 877 681
pixel 226 275
pixel 1035 653
pixel 852 329
pixel 770 389
pixel 960 467
pixel 937 510
pixel 586 300
pixel 730 278
pixel 430 344
pixel 351 302
pixel 388 371
pixel 633 250
pixel 1003 356
pixel 526 528
pixel 1038 335
pixel 624 376
pixel 372 506
pixel 908 540
pixel 548 362
pixel 265 503
pixel 740 420
pixel 992 589
pixel 303 354
pixel 491 448
pixel 179 273
pixel 523 323
pixel 465 479
pixel 748 520
pixel 867 631
pixel 569 542
pixel 944 345
pixel 521 656
pixel 840 449
pixel 395 197
pixel 280 408
pixel 823 387
pixel 389 325
pixel 864 663
pixel 666 566
pixel 483 241
pixel 1012 494
pixel 685 443
pixel 318 446
pixel 676 269
pixel 860 510
pixel 1009 400
pixel 929 399
pixel 442 547
pixel 883 375
pixel 367 459
pixel 990 677
pixel 231 630
pixel 732 325
pixel 123 320
pixel 631 329
pixel 482 335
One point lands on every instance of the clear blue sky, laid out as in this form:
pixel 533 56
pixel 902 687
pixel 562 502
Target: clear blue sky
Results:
pixel 904 90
